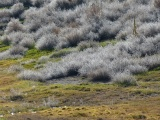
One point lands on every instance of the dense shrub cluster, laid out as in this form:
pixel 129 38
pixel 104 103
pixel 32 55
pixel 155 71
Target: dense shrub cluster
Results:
pixel 55 24
pixel 87 44
pixel 47 42
pixel 14 26
pixel 16 10
pixel 157 3
pixel 68 4
pixel 73 21
pixel 6 3
pixel 27 3
pixel 5 15
pixel 133 56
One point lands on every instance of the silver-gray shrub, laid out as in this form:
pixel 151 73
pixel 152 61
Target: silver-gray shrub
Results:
pixel 39 3
pixel 125 80
pixel 38 23
pixel 43 59
pixel 109 30
pixel 151 61
pixel 131 56
pixel 30 75
pixel 15 68
pixel 77 21
pixel 157 3
pixel 149 29
pixel 5 40
pixel 27 42
pixel 4 55
pixel 68 4
pixel 87 44
pixel 9 3
pixel 5 15
pixel 100 75
pixel 34 19
pixel 6 3
pixel 74 37
pixel 9 54
pixel 16 10
pixel 14 26
pixel 47 41
pixel 48 29
pixel 16 37
pixel 51 72
pixel 17 50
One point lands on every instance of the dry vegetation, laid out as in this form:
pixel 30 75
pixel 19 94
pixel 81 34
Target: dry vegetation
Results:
pixel 62 24
pixel 35 100
pixel 79 59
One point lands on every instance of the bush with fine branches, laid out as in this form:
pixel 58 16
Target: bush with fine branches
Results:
pixel 77 20
pixel 130 57
pixel 55 24
pixel 14 26
pixel 17 9
pixel 157 3
pixel 47 42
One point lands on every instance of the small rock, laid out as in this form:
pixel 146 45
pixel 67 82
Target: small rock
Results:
pixel 12 113
pixel 34 112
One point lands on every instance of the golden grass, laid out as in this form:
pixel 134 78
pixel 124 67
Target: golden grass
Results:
pixel 134 110
pixel 148 109
pixel 6 63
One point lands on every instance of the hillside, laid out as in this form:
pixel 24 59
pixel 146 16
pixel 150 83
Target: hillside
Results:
pixel 79 59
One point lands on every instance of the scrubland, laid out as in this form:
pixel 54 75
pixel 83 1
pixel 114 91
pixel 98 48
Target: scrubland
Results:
pixel 79 59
